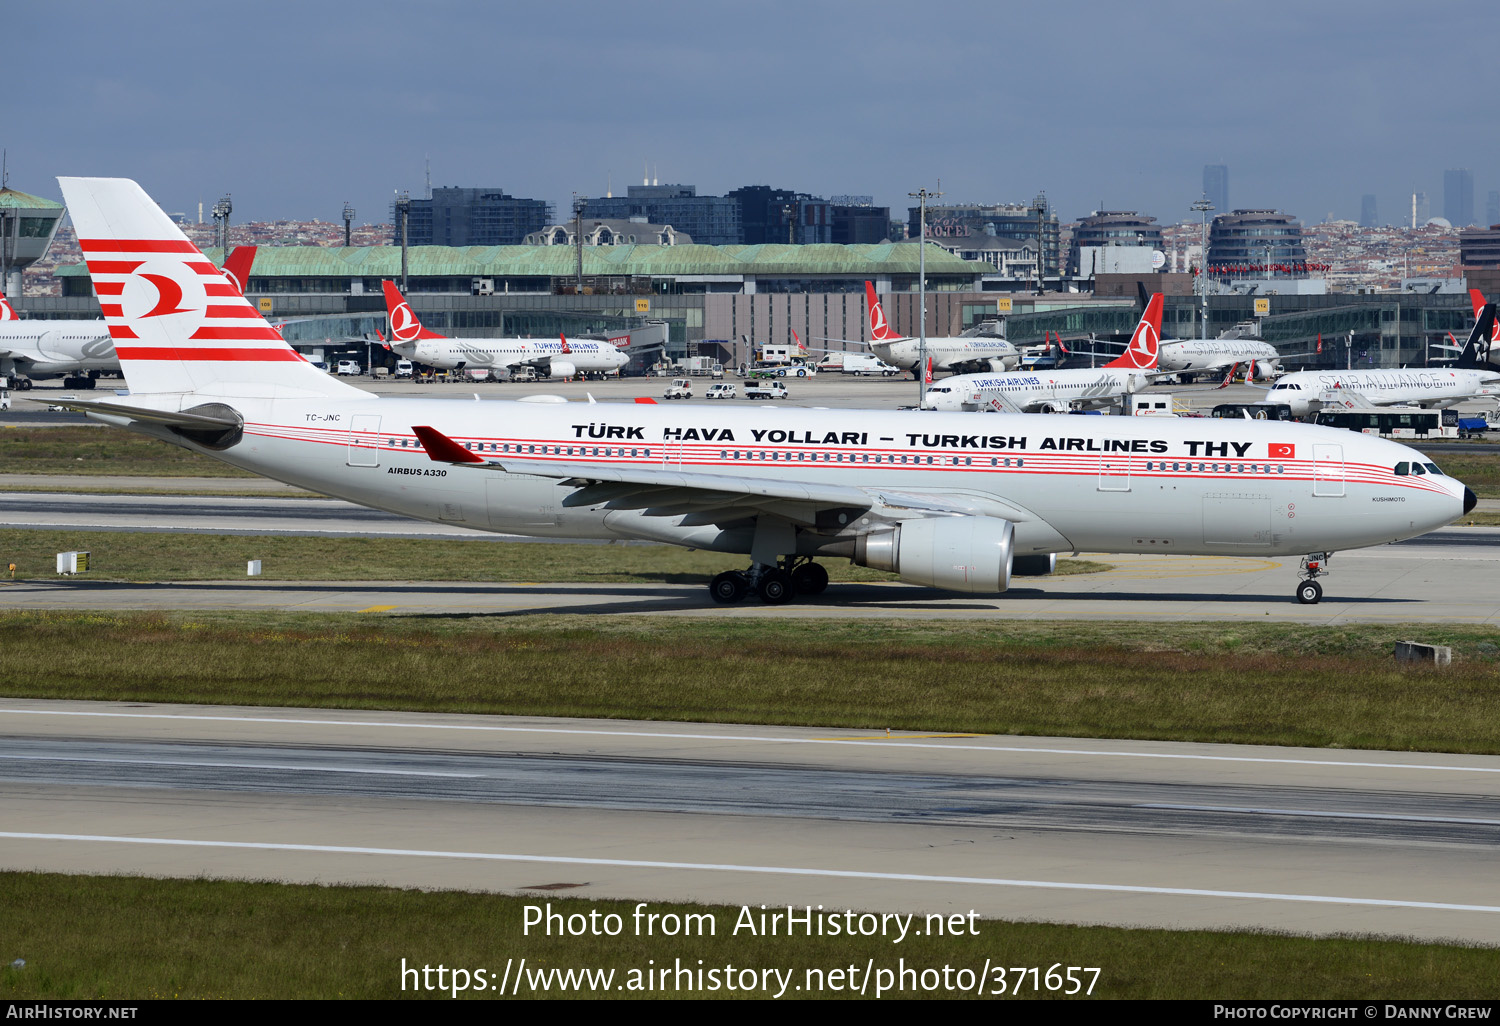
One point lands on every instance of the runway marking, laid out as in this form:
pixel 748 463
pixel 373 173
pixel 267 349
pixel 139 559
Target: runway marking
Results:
pixel 846 874
pixel 378 609
pixel 1315 814
pixel 237 765
pixel 852 741
pixel 889 737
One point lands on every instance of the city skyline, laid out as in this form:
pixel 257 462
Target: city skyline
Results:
pixel 315 105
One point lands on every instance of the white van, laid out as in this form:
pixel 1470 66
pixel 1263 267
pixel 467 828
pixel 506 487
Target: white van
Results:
pixel 403 368
pixel 349 368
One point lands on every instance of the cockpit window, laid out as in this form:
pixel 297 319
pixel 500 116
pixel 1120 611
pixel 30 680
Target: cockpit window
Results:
pixel 1402 469
pixel 1416 468
pixel 1432 468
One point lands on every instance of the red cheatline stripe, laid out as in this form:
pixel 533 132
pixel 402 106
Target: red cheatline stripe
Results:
pixel 137 246
pixel 241 332
pixel 113 266
pixel 120 331
pixel 111 310
pixel 194 355
pixel 204 267
pixel 237 310
pixel 109 288
pixel 219 288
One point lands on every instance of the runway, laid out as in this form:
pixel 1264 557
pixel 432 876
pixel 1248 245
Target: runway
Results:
pixel 1086 831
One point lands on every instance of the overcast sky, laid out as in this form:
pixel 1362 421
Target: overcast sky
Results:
pixel 294 108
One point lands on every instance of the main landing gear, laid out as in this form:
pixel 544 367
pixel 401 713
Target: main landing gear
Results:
pixel 776 585
pixel 1314 565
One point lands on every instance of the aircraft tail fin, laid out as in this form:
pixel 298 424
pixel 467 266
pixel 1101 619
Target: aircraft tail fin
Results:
pixel 1476 350
pixel 6 312
pixel 880 328
pixel 405 327
pixel 1145 344
pixel 178 324
pixel 237 267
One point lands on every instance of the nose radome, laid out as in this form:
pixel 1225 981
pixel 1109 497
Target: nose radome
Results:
pixel 1470 499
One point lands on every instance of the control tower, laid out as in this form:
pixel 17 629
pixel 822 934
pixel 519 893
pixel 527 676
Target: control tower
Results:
pixel 27 225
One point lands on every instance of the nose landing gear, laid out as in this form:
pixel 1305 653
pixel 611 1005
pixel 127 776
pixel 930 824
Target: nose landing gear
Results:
pixel 1314 565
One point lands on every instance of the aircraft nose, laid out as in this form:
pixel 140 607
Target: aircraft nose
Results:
pixel 1470 499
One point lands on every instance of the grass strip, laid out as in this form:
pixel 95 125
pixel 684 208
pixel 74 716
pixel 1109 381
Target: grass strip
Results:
pixel 1276 684
pixel 137 938
pixel 90 451
pixel 168 556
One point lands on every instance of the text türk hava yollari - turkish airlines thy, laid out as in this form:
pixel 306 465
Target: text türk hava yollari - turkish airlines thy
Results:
pixel 940 499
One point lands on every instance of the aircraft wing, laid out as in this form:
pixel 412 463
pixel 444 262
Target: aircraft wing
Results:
pixel 707 497
pixel 1351 400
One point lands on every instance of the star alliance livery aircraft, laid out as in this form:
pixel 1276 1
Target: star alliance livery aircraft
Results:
pixel 942 500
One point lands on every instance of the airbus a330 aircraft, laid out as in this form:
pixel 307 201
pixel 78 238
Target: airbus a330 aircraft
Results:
pixel 939 499
pixel 561 359
pixel 949 354
pixel 78 350
pixel 1472 377
pixel 1056 391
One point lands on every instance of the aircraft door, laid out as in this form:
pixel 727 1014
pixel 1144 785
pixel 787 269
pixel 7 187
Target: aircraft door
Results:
pixel 1114 472
pixel 1328 469
pixel 364 440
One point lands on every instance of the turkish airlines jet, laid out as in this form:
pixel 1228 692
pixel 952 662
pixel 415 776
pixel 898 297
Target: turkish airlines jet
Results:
pixel 949 354
pixel 562 359
pixel 79 350
pixel 942 500
pixel 1216 355
pixel 1056 391
pixel 1472 377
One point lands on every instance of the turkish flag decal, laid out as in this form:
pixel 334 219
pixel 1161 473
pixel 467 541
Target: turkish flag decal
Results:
pixel 1282 451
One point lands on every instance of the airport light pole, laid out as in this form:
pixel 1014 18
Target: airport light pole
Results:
pixel 1203 206
pixel 403 214
pixel 348 220
pixel 222 210
pixel 922 196
pixel 579 202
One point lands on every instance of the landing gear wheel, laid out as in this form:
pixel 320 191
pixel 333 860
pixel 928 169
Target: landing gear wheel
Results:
pixel 728 588
pixel 810 579
pixel 1309 592
pixel 776 587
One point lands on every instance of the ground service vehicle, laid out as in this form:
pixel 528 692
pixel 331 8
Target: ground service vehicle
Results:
pixel 680 388
pixel 765 390
pixel 721 391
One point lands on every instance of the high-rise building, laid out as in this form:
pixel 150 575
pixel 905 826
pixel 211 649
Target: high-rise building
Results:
pixel 1256 244
pixel 473 217
pixel 1216 186
pixel 1492 208
pixel 780 215
pixel 710 220
pixel 1025 222
pixel 1458 197
pixel 1367 216
pixel 1112 228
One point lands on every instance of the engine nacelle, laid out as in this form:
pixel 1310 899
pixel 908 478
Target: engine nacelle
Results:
pixel 970 554
pixel 562 368
pixel 1263 369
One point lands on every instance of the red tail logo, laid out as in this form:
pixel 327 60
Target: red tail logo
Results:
pixel 1145 344
pixel 565 349
pixel 879 329
pixel 6 313
pixel 928 377
pixel 237 267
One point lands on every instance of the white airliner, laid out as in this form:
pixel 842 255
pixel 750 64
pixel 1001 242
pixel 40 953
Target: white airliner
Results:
pixel 949 354
pixel 1216 355
pixel 78 350
pixel 561 359
pixel 943 500
pixel 1472 377
pixel 1056 391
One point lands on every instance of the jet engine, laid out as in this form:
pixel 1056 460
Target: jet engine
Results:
pixel 971 554
pixel 562 369
pixel 1263 369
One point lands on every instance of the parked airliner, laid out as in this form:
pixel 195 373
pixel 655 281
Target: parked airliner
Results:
pixel 950 354
pixel 943 500
pixel 561 359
